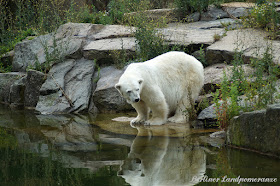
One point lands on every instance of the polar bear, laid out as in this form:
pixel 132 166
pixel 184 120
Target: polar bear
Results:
pixel 166 85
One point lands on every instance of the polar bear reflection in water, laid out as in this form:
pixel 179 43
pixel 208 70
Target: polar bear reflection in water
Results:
pixel 155 158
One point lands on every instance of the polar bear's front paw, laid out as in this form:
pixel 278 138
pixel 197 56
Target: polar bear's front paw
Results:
pixel 137 121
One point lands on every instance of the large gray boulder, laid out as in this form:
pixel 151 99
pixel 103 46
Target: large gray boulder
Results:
pixel 34 81
pixel 213 13
pixel 106 97
pixel 208 114
pixel 21 89
pixel 108 40
pixel 17 90
pixel 237 9
pixel 258 130
pixel 68 87
pixel 6 81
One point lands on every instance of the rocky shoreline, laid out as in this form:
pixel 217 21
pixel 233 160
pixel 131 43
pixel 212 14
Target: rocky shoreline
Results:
pixel 84 79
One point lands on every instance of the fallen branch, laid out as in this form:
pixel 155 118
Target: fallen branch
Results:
pixel 67 98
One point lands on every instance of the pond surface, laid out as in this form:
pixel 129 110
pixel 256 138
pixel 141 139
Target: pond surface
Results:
pixel 83 150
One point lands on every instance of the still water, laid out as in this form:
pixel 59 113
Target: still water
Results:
pixel 83 150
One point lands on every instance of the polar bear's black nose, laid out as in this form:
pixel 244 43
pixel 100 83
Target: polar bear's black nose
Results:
pixel 137 100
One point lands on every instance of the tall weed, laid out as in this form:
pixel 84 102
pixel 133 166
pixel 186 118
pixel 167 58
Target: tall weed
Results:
pixel 33 18
pixel 261 91
pixel 258 93
pixel 150 41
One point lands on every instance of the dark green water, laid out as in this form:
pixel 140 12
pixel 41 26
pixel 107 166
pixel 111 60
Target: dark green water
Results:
pixel 83 150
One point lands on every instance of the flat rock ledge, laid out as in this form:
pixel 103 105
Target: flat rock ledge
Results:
pixel 251 42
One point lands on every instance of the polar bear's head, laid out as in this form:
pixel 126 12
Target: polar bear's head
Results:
pixel 130 89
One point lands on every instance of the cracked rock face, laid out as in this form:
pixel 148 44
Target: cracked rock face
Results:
pixel 68 87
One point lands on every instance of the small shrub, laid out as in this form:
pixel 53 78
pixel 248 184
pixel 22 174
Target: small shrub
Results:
pixel 185 7
pixel 261 91
pixel 264 16
pixel 217 37
pixel 121 58
pixel 117 10
pixel 150 42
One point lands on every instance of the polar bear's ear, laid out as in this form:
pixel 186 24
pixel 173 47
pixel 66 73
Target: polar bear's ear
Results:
pixel 118 86
pixel 140 81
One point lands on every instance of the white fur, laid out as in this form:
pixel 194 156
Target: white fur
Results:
pixel 162 84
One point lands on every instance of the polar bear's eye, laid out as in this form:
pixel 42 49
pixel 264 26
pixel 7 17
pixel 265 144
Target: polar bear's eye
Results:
pixel 137 89
pixel 129 91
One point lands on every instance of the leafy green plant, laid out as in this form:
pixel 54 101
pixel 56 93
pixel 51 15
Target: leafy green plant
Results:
pixel 185 7
pixel 117 10
pixel 4 69
pixel 202 55
pixel 36 66
pixel 120 57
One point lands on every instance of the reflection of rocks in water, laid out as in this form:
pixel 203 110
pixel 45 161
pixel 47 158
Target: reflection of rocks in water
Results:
pixel 68 139
pixel 163 160
pixel 68 133
pixel 17 118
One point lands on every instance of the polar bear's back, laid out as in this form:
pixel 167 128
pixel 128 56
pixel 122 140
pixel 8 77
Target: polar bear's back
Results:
pixel 176 69
pixel 177 72
pixel 170 62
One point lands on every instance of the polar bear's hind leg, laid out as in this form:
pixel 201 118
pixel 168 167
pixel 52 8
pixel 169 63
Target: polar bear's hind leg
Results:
pixel 181 114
